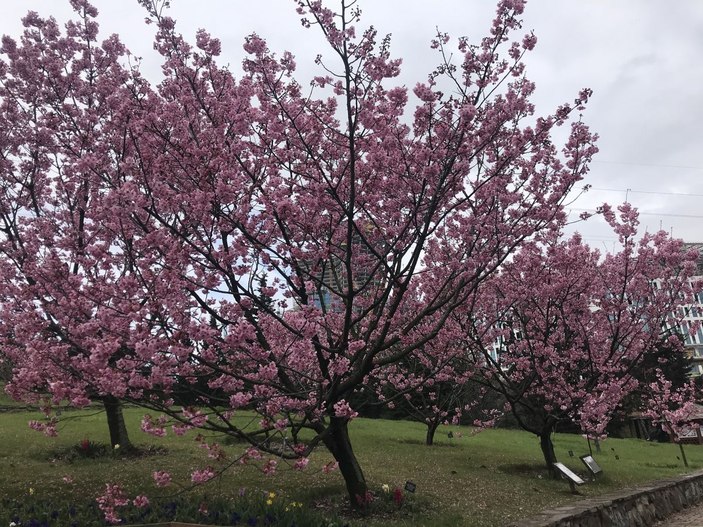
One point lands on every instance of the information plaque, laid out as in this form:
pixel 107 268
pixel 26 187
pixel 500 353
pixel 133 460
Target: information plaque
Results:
pixel 569 476
pixel 591 464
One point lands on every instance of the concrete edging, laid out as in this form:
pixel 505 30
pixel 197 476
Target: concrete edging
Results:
pixel 636 507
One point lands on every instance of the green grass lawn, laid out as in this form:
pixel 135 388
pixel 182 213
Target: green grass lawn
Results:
pixel 483 479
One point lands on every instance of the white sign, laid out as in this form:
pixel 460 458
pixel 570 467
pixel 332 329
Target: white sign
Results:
pixel 566 471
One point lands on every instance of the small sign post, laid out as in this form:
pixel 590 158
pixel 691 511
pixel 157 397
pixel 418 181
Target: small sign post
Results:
pixel 569 476
pixel 591 464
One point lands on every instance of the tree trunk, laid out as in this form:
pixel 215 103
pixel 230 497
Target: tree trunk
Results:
pixel 338 443
pixel 115 422
pixel 431 429
pixel 545 442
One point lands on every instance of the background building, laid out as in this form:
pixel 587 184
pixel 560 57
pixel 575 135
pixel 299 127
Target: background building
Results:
pixel 692 326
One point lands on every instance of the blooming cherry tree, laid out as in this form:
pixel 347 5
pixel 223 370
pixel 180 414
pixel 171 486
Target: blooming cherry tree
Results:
pixel 432 386
pixel 672 408
pixel 211 245
pixel 60 112
pixel 564 330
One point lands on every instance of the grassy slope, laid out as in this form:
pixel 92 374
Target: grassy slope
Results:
pixel 486 479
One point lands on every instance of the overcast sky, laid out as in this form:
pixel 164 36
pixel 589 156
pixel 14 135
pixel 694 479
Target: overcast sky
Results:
pixel 642 58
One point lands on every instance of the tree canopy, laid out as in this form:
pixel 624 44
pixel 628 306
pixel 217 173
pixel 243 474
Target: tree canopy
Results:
pixel 137 219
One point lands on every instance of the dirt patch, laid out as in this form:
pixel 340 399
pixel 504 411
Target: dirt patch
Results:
pixel 93 450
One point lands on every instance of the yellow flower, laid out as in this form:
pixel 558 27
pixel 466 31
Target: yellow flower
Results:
pixel 31 491
pixel 272 495
pixel 269 502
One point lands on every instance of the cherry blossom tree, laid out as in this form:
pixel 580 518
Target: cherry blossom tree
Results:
pixel 136 237
pixel 58 92
pixel 564 331
pixel 437 385
pixel 672 407
pixel 432 386
pixel 665 362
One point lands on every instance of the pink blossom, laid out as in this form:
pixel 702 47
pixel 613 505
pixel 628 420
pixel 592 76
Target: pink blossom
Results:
pixel 301 463
pixel 252 453
pixel 202 476
pixel 162 478
pixel 155 428
pixel 270 467
pixel 181 429
pixel 140 501
pixel 529 41
pixel 195 417
pixel 281 424
pixel 330 467
pixel 342 409
pixel 48 429
pixel 113 497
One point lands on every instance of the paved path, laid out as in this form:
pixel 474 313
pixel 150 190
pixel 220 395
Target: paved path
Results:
pixel 691 517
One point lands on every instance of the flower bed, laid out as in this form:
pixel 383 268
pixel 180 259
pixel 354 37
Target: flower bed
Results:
pixel 257 510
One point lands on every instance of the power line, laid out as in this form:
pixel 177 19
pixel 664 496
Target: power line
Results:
pixel 641 213
pixel 625 191
pixel 687 167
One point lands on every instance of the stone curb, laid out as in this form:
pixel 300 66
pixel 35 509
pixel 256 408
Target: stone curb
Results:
pixel 640 506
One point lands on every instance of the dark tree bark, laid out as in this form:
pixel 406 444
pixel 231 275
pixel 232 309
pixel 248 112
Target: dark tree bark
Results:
pixel 545 443
pixel 115 422
pixel 338 443
pixel 431 429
